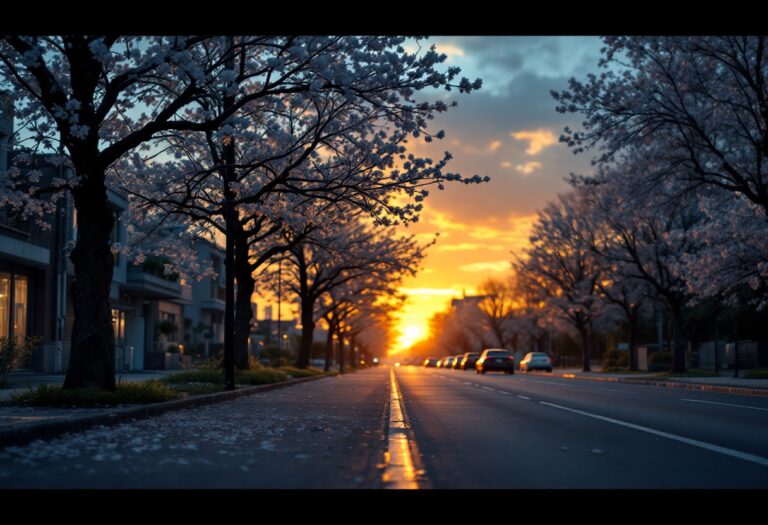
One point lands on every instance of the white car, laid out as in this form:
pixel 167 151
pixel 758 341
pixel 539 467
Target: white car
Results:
pixel 536 361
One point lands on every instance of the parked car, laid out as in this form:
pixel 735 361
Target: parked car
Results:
pixel 536 361
pixel 468 360
pixel 431 362
pixel 457 361
pixel 495 359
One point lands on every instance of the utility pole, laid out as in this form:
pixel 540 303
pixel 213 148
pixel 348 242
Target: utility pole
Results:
pixel 279 303
pixel 229 218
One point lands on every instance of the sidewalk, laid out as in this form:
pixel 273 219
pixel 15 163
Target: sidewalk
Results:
pixel 723 384
pixel 22 424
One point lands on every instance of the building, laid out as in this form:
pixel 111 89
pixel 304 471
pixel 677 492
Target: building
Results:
pixel 204 312
pixel 151 312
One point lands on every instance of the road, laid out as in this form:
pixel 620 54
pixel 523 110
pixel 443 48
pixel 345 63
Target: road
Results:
pixel 526 431
pixel 465 431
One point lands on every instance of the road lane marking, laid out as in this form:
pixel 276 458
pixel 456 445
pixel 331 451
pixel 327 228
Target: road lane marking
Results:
pixel 701 444
pixel 524 397
pixel 724 404
pixel 487 388
pixel 505 393
pixel 399 472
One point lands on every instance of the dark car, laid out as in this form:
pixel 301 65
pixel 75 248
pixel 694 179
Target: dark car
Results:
pixel 536 361
pixel 495 360
pixel 468 360
pixel 430 362
pixel 457 361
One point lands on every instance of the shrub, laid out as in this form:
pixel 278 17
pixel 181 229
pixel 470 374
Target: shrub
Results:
pixel 660 358
pixel 623 361
pixel 201 375
pixel 261 376
pixel 167 327
pixel 12 354
pixel 300 372
pixel 610 358
pixel 756 374
pixel 140 392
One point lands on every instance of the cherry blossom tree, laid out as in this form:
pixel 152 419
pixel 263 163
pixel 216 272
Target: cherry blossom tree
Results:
pixel 562 268
pixel 350 251
pixel 336 146
pixel 103 97
pixel 645 237
pixel 498 310
pixel 697 106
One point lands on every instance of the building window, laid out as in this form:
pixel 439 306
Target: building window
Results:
pixel 5 304
pixel 14 305
pixel 20 286
pixel 118 326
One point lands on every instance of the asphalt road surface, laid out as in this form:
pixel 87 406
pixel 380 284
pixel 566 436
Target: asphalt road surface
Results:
pixel 526 431
pixel 463 429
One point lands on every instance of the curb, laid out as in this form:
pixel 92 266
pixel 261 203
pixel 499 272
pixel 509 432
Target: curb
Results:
pixel 51 429
pixel 669 384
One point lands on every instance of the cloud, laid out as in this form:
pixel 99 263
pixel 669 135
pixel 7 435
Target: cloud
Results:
pixel 492 266
pixel 444 222
pixel 538 140
pixel 466 246
pixel 493 146
pixel 528 167
pixel 451 50
pixel 428 291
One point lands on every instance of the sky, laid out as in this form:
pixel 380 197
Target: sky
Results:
pixel 509 131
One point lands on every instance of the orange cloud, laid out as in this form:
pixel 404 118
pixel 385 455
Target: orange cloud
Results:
pixel 443 222
pixel 466 246
pixel 491 266
pixel 427 291
pixel 493 146
pixel 528 167
pixel 538 140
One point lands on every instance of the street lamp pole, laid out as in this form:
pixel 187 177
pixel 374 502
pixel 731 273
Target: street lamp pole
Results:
pixel 279 302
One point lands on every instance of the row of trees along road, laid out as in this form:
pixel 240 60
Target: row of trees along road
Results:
pixel 675 214
pixel 251 138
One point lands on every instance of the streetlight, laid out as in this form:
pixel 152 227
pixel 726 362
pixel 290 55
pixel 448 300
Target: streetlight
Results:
pixel 279 301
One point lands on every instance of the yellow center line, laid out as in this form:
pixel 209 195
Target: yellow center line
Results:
pixel 399 472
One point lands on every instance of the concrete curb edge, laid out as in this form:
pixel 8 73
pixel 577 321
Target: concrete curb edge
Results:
pixel 669 384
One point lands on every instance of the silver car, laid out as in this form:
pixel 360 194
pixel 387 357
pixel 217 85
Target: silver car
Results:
pixel 536 361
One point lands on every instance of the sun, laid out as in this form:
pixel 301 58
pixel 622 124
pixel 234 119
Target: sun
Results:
pixel 409 334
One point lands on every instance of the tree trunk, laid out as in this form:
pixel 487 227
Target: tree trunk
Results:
pixel 92 354
pixel 307 332
pixel 352 355
pixel 329 348
pixel 341 350
pixel 632 336
pixel 586 347
pixel 678 340
pixel 243 311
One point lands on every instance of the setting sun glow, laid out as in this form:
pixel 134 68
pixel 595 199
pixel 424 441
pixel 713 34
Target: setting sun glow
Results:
pixel 409 334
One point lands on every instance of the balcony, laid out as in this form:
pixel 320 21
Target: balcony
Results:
pixel 151 286
pixel 212 303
